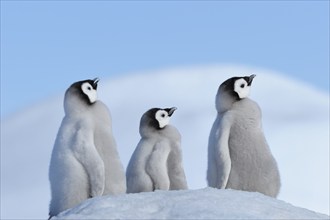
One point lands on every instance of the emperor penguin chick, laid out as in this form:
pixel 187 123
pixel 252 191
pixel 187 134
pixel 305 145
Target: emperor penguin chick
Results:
pixel 238 154
pixel 84 162
pixel 156 163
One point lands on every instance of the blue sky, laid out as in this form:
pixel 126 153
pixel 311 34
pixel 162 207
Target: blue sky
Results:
pixel 47 45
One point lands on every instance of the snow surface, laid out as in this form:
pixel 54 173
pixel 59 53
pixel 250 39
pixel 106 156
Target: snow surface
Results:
pixel 208 203
pixel 295 120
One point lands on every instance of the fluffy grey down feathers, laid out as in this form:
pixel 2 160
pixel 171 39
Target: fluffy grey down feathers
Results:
pixel 85 162
pixel 238 154
pixel 156 163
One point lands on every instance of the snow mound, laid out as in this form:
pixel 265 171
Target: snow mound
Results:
pixel 207 203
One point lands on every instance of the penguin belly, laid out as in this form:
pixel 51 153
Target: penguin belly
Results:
pixel 138 180
pixel 253 168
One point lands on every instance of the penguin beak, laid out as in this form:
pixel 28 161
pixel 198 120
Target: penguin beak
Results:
pixel 251 78
pixel 95 81
pixel 170 111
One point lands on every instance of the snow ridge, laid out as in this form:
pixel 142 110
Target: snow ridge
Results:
pixel 206 203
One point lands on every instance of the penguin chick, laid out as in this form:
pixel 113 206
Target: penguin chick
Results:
pixel 238 154
pixel 156 163
pixel 84 162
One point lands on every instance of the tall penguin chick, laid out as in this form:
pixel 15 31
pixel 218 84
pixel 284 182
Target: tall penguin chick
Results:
pixel 84 162
pixel 238 154
pixel 156 163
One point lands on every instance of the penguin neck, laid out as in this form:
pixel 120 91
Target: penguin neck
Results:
pixel 224 102
pixel 74 106
pixel 168 131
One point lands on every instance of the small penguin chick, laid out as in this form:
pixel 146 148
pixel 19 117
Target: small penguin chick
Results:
pixel 156 163
pixel 84 162
pixel 233 90
pixel 238 154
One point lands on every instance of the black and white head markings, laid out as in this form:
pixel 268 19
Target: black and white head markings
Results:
pixel 159 118
pixel 239 87
pixel 87 90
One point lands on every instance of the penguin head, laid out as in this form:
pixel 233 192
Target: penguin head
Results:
pixel 156 118
pixel 232 90
pixel 238 87
pixel 81 92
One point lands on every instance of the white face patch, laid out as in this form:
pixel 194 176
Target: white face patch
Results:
pixel 241 88
pixel 162 118
pixel 89 91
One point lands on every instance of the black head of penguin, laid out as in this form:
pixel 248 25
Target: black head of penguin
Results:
pixel 236 85
pixel 158 118
pixel 86 90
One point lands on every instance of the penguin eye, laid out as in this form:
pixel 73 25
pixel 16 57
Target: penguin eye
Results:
pixel 89 88
pixel 163 115
pixel 242 85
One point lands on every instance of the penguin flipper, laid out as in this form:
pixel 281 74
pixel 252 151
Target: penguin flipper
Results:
pixel 86 153
pixel 175 169
pixel 156 166
pixel 222 153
